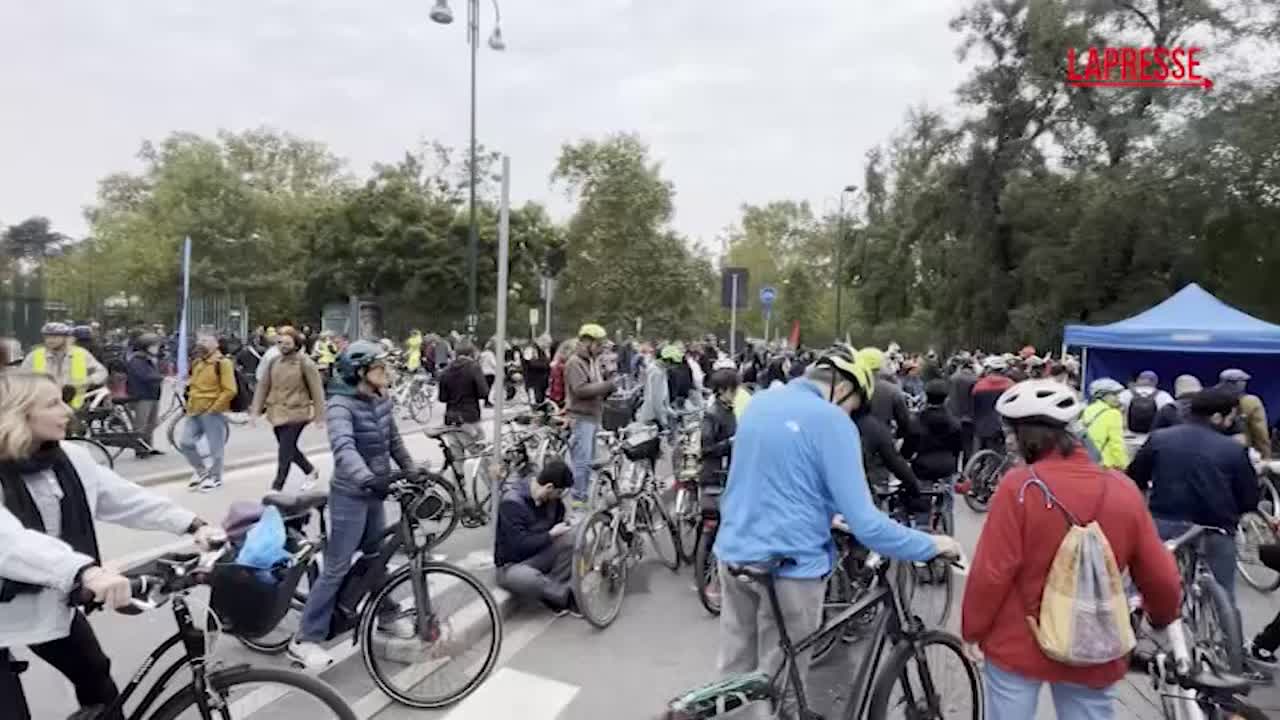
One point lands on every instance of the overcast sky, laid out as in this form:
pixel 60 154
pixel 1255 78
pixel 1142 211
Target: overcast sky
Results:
pixel 741 100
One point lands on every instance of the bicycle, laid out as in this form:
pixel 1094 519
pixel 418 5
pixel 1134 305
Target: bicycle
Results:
pixel 1207 611
pixel 107 426
pixel 176 414
pixel 1256 530
pixel 414 394
pixel 609 543
pixel 686 507
pixel 895 629
pixel 982 473
pixel 225 693
pixel 469 460
pixel 706 573
pixel 928 588
pixel 1190 689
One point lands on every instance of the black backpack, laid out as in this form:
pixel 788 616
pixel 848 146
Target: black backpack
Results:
pixel 1142 413
pixel 244 389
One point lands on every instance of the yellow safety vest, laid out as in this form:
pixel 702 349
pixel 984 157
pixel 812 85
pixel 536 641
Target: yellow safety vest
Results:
pixel 79 369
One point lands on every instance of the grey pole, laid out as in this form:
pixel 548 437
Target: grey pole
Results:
pixel 473 232
pixel 504 219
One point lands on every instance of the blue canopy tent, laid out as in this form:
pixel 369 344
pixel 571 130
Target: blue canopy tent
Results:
pixel 1191 333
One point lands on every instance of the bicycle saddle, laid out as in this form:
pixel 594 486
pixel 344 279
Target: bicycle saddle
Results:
pixel 762 570
pixel 439 432
pixel 1211 682
pixel 292 503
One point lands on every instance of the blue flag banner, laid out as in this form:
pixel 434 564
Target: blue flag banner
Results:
pixel 183 360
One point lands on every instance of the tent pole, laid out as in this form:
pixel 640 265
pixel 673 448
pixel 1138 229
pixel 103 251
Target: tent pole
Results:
pixel 1084 370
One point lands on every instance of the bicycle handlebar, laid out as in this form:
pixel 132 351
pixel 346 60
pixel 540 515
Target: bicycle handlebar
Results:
pixel 150 591
pixel 1191 535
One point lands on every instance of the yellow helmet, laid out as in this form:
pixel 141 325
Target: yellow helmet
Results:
pixel 592 331
pixel 672 353
pixel 871 358
pixel 852 370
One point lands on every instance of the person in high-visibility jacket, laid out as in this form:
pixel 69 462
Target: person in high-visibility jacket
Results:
pixel 65 361
pixel 1103 422
pixel 413 351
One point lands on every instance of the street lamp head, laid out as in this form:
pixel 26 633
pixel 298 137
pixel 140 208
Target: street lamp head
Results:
pixel 495 40
pixel 441 12
pixel 850 188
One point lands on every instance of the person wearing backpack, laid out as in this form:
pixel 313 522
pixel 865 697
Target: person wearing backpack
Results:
pixel 1103 423
pixel 1057 508
pixel 210 392
pixel 291 395
pixel 1142 402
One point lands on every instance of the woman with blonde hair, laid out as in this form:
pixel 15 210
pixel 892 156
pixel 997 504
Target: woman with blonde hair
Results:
pixel 53 494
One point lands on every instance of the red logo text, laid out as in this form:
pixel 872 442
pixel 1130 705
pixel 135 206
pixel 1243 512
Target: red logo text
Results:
pixel 1136 67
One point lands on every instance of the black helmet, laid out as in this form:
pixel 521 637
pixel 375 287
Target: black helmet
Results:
pixel 146 340
pixel 936 391
pixel 720 380
pixel 352 363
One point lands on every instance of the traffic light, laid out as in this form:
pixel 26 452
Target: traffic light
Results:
pixel 553 262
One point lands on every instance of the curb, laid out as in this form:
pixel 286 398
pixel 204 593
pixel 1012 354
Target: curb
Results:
pixel 175 474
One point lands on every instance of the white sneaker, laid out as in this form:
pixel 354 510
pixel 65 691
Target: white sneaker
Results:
pixel 197 478
pixel 402 628
pixel 309 655
pixel 309 481
pixel 210 484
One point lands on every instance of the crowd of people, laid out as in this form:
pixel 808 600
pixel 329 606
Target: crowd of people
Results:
pixel 798 439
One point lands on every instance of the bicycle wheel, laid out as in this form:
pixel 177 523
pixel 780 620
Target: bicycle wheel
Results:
pixel 175 432
pixel 600 569
pixel 1215 625
pixel 261 693
pixel 664 536
pixel 978 473
pixel 96 450
pixel 420 404
pixel 928 589
pixel 1255 531
pixel 436 665
pixel 688 518
pixel 706 572
pixel 1269 501
pixel 929 677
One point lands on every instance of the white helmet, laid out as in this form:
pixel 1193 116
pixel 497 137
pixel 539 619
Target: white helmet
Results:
pixel 1104 386
pixel 995 363
pixel 724 362
pixel 1045 400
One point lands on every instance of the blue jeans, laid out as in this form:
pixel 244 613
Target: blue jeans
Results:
pixel 1218 552
pixel 355 523
pixel 1010 696
pixel 582 450
pixel 213 428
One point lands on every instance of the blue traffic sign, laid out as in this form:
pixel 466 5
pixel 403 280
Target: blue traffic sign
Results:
pixel 767 295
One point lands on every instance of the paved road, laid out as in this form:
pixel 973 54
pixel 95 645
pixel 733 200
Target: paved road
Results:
pixel 664 642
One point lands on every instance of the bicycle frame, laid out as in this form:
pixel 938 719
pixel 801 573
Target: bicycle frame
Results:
pixel 194 649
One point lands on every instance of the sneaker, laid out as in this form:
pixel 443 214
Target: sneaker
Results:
pixel 210 484
pixel 309 481
pixel 1260 655
pixel 197 479
pixel 309 655
pixel 570 609
pixel 402 628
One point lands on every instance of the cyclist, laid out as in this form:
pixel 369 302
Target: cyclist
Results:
pixel 364 439
pixel 143 383
pixel 1103 422
pixel 719 424
pixel 47 482
pixel 986 391
pixel 888 402
pixel 935 446
pixel 585 391
pixel 1197 474
pixel 656 406
pixel 1252 422
pixel 462 389
pixel 69 364
pixel 1018 544
pixel 797 463
pixel 413 351
pixel 1175 413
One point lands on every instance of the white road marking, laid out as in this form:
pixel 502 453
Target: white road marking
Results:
pixel 510 693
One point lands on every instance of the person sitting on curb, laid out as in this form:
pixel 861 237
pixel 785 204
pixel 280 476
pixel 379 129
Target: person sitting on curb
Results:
pixel 534 544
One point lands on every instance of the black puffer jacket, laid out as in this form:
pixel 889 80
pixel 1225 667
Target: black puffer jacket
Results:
pixel 364 438
pixel 462 387
pixel 718 427
pixel 880 456
pixel 934 446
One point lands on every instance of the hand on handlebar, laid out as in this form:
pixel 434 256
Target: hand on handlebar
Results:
pixel 108 588
pixel 838 522
pixel 209 537
pixel 946 547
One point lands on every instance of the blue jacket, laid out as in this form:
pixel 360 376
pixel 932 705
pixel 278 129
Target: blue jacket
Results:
pixel 143 379
pixel 797 461
pixel 363 438
pixel 1196 474
pixel 524 527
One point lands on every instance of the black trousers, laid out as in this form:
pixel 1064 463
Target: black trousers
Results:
pixel 288 453
pixel 1269 638
pixel 79 658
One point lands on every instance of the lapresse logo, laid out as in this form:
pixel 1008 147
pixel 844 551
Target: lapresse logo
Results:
pixel 1136 67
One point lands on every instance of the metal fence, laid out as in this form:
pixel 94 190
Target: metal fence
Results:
pixel 22 309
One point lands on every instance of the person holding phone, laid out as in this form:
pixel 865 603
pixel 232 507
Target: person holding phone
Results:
pixel 534 546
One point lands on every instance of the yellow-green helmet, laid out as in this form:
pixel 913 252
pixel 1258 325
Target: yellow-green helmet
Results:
pixel 852 370
pixel 672 353
pixel 592 331
pixel 871 358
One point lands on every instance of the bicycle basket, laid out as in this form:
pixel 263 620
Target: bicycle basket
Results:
pixel 617 414
pixel 252 602
pixel 645 449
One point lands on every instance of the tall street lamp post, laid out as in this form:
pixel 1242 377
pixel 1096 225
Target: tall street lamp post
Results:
pixel 839 277
pixel 442 14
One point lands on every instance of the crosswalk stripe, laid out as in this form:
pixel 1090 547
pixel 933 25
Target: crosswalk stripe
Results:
pixel 510 693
